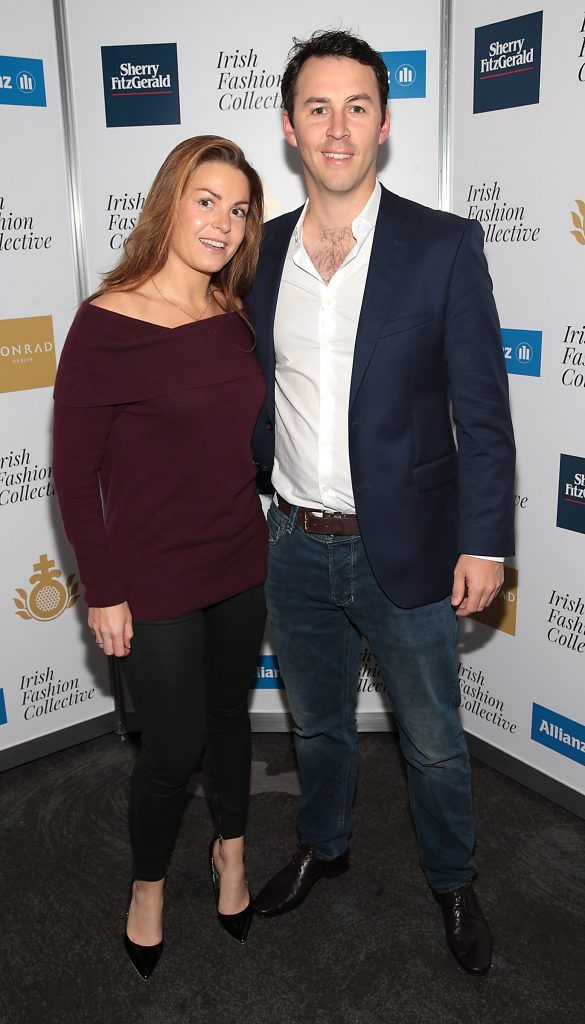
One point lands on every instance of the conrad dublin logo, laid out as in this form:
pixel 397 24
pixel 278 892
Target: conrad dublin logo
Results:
pixel 141 84
pixel 507 63
pixel 501 614
pixel 578 218
pixel 27 353
pixel 50 596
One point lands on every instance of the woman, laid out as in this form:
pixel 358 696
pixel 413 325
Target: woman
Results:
pixel 156 397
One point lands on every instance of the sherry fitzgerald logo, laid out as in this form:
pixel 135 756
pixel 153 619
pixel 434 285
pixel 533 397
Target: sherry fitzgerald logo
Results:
pixel 141 84
pixel 522 351
pixel 27 353
pixel 22 82
pixel 507 63
pixel 571 500
pixel 501 614
pixel 559 733
pixel 49 597
pixel 407 73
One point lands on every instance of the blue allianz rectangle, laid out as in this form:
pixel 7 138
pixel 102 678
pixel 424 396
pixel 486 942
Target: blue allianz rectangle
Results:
pixel 268 675
pixel 558 733
pixel 522 351
pixel 22 82
pixel 407 73
pixel 3 715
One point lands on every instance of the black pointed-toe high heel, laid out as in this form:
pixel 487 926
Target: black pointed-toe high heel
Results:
pixel 237 925
pixel 143 958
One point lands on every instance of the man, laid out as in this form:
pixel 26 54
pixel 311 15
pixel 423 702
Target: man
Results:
pixel 372 315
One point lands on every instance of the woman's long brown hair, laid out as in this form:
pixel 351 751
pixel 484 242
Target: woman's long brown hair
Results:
pixel 147 247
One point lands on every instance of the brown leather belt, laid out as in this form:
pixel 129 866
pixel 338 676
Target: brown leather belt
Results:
pixel 329 524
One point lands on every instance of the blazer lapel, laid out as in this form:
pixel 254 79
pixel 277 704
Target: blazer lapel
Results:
pixel 387 261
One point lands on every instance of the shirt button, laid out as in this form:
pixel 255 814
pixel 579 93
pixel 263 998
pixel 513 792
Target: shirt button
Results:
pixel 325 487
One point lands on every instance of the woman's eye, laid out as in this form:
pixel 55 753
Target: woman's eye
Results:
pixel 206 202
pixel 239 212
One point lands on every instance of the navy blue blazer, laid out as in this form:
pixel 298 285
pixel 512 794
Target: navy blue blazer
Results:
pixel 428 340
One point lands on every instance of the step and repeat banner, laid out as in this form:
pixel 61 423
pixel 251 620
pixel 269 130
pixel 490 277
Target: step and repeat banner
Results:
pixel 49 677
pixel 144 78
pixel 519 168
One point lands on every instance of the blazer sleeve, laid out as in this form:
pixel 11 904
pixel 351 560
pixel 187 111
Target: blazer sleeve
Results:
pixel 478 384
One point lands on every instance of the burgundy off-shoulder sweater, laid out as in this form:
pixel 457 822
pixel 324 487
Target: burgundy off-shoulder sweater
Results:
pixel 152 461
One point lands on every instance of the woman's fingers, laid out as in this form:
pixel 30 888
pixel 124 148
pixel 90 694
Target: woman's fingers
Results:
pixel 112 628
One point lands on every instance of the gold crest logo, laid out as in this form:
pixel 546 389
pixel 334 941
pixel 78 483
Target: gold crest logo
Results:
pixel 501 614
pixel 49 597
pixel 27 353
pixel 579 222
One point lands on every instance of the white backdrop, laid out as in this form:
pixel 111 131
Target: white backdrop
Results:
pixel 49 677
pixel 527 157
pixel 532 159
pixel 118 164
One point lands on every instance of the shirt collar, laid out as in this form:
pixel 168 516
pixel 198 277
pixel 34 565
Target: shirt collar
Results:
pixel 360 226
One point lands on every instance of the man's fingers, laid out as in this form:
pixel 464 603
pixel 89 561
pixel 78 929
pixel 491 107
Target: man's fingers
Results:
pixel 458 593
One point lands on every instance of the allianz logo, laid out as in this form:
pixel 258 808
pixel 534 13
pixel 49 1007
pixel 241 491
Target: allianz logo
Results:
pixel 405 74
pixel 24 82
pixel 523 353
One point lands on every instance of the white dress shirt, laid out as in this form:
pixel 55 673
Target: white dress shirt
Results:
pixel 315 330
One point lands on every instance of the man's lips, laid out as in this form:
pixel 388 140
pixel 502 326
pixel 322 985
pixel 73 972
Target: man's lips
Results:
pixel 331 154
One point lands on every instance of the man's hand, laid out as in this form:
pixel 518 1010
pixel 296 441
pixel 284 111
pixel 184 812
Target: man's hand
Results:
pixel 476 582
pixel 112 628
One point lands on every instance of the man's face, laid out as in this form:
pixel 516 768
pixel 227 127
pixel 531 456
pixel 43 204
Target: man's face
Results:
pixel 337 123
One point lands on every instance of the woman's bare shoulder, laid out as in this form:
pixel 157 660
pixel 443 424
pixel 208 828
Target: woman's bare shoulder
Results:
pixel 126 302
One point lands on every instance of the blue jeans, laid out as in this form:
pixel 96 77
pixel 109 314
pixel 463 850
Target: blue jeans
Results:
pixel 322 598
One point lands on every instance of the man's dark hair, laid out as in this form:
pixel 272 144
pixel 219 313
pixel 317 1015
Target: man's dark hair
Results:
pixel 331 44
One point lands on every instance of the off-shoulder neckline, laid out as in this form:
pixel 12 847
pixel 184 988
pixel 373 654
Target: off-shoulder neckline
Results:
pixel 162 327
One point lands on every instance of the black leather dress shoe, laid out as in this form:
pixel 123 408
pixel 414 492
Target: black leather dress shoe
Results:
pixel 468 934
pixel 289 887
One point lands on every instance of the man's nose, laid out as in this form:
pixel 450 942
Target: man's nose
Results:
pixel 338 127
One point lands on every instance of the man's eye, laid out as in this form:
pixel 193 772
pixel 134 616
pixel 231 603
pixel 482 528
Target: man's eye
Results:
pixel 356 109
pixel 319 110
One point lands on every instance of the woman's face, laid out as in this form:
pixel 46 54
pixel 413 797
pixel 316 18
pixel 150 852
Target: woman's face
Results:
pixel 212 217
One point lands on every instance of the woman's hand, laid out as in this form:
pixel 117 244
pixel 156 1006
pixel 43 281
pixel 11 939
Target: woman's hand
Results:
pixel 112 628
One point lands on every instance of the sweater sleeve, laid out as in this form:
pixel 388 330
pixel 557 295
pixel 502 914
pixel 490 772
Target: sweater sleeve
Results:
pixel 79 437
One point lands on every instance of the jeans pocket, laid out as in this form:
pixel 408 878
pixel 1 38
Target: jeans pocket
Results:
pixel 276 526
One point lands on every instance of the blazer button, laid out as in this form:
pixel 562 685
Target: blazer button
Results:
pixel 269 425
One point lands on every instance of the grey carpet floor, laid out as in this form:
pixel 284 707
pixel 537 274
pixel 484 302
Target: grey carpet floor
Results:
pixel 366 948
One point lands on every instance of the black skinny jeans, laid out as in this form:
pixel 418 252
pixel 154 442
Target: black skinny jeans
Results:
pixel 189 680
